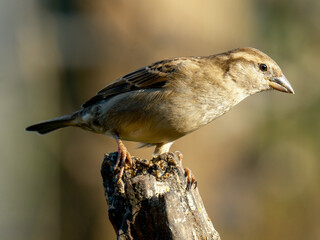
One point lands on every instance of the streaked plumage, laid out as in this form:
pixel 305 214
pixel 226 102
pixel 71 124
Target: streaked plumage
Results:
pixel 157 104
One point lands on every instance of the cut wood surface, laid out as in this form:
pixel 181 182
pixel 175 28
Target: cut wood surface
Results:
pixel 151 201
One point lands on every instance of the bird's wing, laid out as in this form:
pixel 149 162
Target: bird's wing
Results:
pixel 154 76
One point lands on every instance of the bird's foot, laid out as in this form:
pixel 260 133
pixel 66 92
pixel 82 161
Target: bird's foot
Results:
pixel 123 158
pixel 191 180
pixel 179 155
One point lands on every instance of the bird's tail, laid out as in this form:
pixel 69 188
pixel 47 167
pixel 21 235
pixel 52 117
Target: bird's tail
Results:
pixel 53 124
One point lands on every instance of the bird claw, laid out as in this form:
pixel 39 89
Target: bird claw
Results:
pixel 179 155
pixel 123 158
pixel 191 180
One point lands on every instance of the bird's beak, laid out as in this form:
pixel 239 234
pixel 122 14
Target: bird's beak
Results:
pixel 281 84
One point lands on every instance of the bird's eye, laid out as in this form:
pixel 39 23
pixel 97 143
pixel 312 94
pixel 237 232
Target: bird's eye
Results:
pixel 263 67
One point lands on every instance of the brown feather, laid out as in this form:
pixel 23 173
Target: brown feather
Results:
pixel 153 76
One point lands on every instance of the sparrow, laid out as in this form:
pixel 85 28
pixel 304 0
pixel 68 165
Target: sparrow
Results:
pixel 164 101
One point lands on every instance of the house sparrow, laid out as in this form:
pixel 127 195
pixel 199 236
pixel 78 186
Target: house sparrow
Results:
pixel 159 103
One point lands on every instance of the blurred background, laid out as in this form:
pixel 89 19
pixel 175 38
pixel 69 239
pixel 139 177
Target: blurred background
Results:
pixel 258 167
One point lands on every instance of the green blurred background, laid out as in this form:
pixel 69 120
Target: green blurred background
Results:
pixel 258 167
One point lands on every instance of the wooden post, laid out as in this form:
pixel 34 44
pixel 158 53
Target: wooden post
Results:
pixel 151 201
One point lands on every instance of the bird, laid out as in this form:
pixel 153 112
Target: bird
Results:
pixel 162 102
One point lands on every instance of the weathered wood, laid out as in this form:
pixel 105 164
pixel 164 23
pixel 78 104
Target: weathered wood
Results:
pixel 151 201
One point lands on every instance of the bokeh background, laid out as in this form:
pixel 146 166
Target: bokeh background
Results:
pixel 258 167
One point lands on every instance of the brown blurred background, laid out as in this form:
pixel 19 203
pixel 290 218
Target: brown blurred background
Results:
pixel 258 167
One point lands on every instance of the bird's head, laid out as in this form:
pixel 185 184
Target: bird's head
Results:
pixel 254 71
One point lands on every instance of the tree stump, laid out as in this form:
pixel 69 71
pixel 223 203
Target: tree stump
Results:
pixel 151 201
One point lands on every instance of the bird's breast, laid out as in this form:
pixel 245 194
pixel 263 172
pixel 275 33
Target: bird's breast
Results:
pixel 154 117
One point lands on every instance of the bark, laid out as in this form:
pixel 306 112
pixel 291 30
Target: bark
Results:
pixel 151 201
